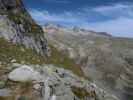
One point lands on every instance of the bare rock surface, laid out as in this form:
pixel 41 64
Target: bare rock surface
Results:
pixel 24 74
pixel 57 83
pixel 5 92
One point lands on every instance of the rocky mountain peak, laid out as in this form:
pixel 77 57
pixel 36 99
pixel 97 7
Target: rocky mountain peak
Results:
pixel 17 26
pixel 75 30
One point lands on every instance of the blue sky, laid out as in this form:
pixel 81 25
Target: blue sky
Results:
pixel 112 16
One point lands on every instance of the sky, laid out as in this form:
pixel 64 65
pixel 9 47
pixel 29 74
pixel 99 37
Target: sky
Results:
pixel 112 16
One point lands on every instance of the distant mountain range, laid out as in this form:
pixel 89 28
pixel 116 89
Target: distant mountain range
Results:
pixel 73 30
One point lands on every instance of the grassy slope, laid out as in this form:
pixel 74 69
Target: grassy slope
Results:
pixel 63 61
pixel 9 51
pixel 82 94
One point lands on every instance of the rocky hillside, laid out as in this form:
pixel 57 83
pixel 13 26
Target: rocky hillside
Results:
pixel 29 71
pixel 47 82
pixel 104 59
pixel 17 26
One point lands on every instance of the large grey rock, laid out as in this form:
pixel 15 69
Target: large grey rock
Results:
pixel 53 97
pixel 24 74
pixel 5 92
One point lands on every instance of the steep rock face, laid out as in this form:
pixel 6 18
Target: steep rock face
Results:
pixel 17 26
pixel 104 59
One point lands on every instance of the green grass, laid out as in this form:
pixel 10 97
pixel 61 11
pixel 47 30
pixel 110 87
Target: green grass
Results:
pixel 101 41
pixel 60 60
pixel 82 93
pixel 9 51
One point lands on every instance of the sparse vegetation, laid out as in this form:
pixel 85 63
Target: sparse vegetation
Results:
pixel 9 51
pixel 82 93
pixel 61 60
pixel 22 91
pixel 6 98
pixel 2 84
pixel 29 25
pixel 23 98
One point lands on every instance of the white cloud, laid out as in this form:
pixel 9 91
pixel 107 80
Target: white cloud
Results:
pixel 118 27
pixel 44 16
pixel 111 7
pixel 120 22
pixel 116 10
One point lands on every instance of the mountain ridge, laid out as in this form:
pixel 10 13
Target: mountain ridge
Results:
pixel 102 58
pixel 73 29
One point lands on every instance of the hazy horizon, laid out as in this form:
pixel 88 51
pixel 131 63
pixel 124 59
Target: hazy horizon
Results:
pixel 112 16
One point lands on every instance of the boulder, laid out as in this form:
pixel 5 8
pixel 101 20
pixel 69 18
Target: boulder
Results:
pixel 5 92
pixel 24 74
pixel 53 97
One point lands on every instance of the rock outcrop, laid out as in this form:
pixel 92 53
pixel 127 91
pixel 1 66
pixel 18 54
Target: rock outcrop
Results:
pixel 59 84
pixel 17 26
